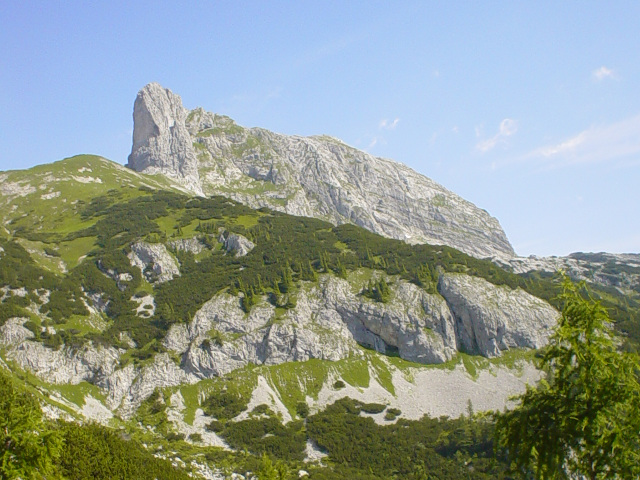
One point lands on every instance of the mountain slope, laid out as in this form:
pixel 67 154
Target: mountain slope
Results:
pixel 190 323
pixel 307 176
pixel 113 277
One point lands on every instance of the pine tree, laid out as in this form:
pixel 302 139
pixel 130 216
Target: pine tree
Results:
pixel 581 420
pixel 28 446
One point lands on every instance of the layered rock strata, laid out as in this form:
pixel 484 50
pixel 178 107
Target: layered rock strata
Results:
pixel 308 176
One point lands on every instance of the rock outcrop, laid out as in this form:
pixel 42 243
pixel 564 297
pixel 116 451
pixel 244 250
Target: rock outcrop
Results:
pixel 491 319
pixel 161 141
pixel 193 245
pixel 309 176
pixel 330 321
pixel 154 261
pixel 238 244
pixel 13 332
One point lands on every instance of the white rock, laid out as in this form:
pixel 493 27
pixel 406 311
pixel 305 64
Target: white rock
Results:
pixel 308 176
pixel 13 332
pixel 66 365
pixel 330 320
pixel 193 245
pixel 155 256
pixel 494 318
pixel 237 243
pixel 161 141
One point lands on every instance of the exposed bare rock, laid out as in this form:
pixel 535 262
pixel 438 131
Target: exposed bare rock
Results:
pixel 13 332
pixel 308 176
pixel 154 260
pixel 97 302
pixel 146 306
pixel 66 365
pixel 620 270
pixel 330 320
pixel 236 243
pixel 193 245
pixel 177 339
pixel 163 372
pixel 490 319
pixel 161 141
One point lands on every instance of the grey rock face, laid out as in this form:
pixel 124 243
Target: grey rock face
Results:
pixel 330 320
pixel 136 384
pixel 126 387
pixel 66 365
pixel 161 142
pixel 192 245
pixel 490 319
pixel 13 332
pixel 620 270
pixel 155 256
pixel 308 176
pixel 237 243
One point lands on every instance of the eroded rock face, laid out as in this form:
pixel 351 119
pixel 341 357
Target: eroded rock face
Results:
pixel 193 245
pixel 13 332
pixel 330 321
pixel 237 244
pixel 492 318
pixel 66 365
pixel 156 257
pixel 161 141
pixel 308 176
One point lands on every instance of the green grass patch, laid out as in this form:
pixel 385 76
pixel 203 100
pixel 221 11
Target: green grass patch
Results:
pixel 73 250
pixel 382 372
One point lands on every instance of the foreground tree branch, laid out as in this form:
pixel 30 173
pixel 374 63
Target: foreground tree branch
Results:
pixel 583 419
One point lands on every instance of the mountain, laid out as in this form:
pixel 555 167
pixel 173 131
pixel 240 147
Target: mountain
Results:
pixel 315 176
pixel 129 262
pixel 186 305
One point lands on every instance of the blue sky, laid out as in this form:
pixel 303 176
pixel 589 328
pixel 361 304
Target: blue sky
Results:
pixel 531 110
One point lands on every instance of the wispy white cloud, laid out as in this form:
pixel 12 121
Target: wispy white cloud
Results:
pixel 386 124
pixel 602 73
pixel 508 127
pixel 618 142
pixel 372 143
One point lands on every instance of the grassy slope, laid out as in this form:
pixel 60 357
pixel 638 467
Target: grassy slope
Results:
pixel 45 224
pixel 48 199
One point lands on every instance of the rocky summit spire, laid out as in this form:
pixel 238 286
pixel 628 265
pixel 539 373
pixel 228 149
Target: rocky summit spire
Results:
pixel 315 176
pixel 161 142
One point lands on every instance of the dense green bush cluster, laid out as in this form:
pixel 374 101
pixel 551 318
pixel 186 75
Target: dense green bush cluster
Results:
pixel 267 435
pixel 358 448
pixel 95 452
pixel 428 448
pixel 225 404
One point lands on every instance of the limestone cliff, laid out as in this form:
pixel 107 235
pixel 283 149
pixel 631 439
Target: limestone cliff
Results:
pixel 309 176
pixel 161 142
pixel 330 321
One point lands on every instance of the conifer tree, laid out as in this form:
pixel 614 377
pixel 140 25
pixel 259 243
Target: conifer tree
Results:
pixel 28 446
pixel 582 420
